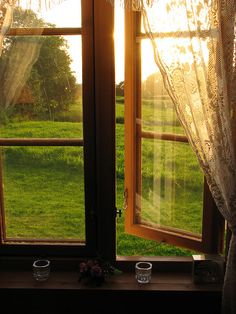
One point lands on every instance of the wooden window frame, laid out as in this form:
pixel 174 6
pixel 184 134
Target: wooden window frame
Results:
pixel 99 149
pixel 213 223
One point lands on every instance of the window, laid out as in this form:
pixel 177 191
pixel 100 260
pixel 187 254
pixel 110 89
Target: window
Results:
pixel 163 182
pixel 49 164
pixel 34 160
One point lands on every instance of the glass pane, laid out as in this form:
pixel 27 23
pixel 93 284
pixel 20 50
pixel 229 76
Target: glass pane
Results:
pixel 158 113
pixel 65 14
pixel 41 96
pixel 44 192
pixel 171 187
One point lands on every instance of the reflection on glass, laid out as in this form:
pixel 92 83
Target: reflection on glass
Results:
pixel 171 185
pixel 170 188
pixel 44 192
pixel 158 113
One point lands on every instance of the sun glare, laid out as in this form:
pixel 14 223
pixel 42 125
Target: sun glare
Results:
pixel 62 16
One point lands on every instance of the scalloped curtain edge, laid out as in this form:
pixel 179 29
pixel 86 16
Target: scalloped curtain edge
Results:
pixel 136 5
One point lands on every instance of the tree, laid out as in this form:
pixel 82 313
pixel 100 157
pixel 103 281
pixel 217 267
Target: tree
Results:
pixel 58 84
pixel 39 65
pixel 120 89
pixel 153 85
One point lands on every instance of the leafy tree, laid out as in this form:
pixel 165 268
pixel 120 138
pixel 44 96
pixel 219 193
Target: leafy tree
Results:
pixel 120 88
pixel 58 84
pixel 153 85
pixel 38 64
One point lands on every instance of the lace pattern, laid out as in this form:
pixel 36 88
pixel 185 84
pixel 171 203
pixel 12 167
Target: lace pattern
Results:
pixel 194 48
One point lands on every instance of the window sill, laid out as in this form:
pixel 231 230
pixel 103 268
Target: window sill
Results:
pixel 62 293
pixel 124 281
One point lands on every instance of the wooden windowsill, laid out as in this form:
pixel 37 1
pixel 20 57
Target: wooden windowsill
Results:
pixel 171 282
pixel 62 293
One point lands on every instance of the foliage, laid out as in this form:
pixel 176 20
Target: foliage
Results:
pixel 57 82
pixel 120 88
pixel 43 75
pixel 153 85
pixel 95 271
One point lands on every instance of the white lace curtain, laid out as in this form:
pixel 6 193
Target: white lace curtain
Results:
pixel 194 48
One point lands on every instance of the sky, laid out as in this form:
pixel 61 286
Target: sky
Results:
pixel 62 16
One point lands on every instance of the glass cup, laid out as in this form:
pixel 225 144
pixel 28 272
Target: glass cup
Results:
pixel 143 272
pixel 41 269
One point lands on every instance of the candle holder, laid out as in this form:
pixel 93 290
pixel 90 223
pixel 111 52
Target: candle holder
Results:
pixel 41 269
pixel 143 272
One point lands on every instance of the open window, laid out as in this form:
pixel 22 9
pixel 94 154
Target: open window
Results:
pixel 167 199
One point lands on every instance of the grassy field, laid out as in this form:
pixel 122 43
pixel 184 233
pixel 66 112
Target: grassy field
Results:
pixel 44 195
pixel 171 167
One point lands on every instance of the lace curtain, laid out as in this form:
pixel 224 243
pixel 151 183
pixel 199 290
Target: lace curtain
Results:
pixel 194 48
pixel 16 64
pixel 6 12
pixel 136 5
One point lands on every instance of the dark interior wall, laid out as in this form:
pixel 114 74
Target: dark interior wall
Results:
pixel 108 301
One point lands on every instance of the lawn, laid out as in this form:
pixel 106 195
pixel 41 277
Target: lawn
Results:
pixel 44 192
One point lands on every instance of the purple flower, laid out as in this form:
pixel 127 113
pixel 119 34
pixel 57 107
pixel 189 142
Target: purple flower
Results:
pixel 83 267
pixel 96 271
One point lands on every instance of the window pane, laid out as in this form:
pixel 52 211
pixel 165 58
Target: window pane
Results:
pixel 45 86
pixel 66 14
pixel 171 187
pixel 44 192
pixel 158 113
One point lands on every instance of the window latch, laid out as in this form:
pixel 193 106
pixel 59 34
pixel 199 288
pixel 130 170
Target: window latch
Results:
pixel 118 212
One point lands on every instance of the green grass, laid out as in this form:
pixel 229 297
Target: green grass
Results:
pixel 175 170
pixel 44 191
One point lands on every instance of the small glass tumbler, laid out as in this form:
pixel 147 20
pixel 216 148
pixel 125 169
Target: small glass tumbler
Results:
pixel 41 269
pixel 143 272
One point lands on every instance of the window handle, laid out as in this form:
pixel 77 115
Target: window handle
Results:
pixel 118 212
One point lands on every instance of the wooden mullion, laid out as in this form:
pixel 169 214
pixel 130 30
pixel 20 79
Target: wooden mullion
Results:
pixel 164 136
pixel 44 31
pixel 180 34
pixel 41 142
pixel 105 127
pixel 89 124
